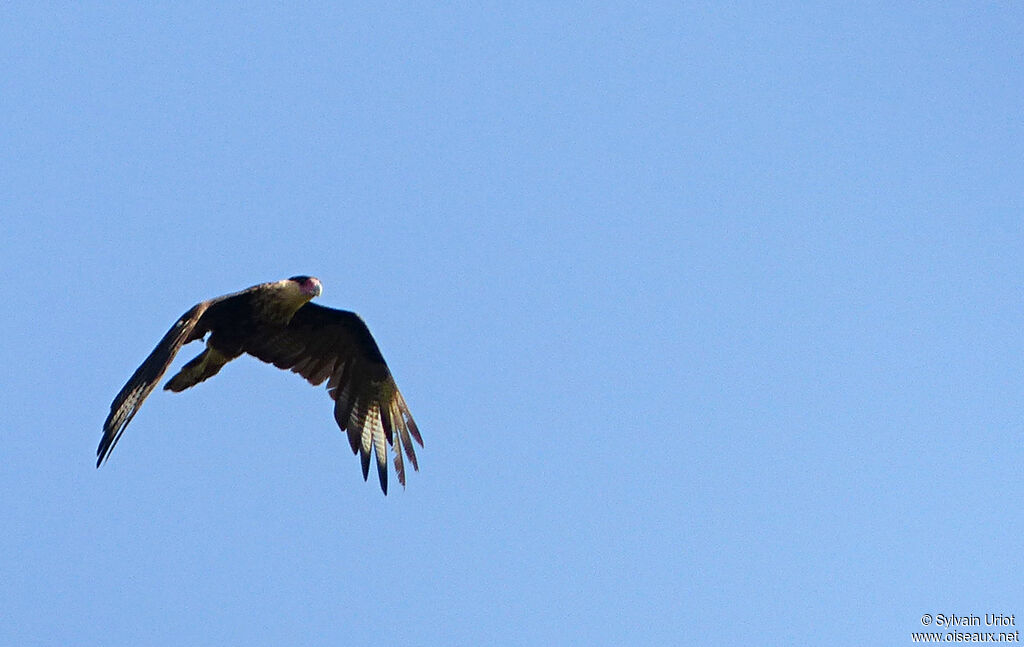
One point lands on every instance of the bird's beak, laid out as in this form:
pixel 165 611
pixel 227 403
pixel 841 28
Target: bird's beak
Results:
pixel 317 288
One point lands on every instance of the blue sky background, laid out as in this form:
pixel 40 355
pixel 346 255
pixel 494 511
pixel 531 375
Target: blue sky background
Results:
pixel 710 316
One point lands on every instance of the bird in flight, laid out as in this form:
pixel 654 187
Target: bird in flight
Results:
pixel 276 323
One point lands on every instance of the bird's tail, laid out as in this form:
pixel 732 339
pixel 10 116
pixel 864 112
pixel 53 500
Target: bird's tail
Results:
pixel 204 366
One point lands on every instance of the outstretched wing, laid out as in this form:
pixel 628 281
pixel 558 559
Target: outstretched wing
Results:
pixel 335 345
pixel 145 378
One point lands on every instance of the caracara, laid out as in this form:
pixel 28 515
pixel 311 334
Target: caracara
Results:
pixel 276 323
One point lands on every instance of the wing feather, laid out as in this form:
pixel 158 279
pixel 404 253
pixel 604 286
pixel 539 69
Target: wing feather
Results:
pixel 319 370
pixel 358 422
pixel 410 451
pixel 335 345
pixel 380 446
pixel 146 377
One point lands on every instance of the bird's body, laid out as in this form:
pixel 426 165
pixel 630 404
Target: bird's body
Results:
pixel 275 323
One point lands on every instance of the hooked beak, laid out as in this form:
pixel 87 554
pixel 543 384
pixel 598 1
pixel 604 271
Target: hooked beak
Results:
pixel 313 287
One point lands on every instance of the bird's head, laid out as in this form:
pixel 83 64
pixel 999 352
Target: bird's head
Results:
pixel 281 299
pixel 309 286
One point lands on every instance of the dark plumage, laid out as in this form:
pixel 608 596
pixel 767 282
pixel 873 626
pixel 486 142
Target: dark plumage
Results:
pixel 275 323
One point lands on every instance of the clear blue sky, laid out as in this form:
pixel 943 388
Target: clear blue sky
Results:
pixel 710 317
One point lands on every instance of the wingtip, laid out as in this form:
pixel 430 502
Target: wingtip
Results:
pixel 365 458
pixel 382 474
pixel 103 451
pixel 414 430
